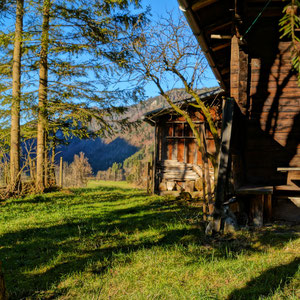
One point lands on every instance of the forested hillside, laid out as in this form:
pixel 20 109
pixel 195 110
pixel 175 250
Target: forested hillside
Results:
pixel 103 153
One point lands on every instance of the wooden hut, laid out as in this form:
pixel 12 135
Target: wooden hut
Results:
pixel 242 43
pixel 177 159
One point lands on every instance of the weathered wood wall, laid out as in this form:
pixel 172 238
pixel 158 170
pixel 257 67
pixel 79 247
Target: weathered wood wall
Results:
pixel 273 132
pixel 178 153
pixel 176 140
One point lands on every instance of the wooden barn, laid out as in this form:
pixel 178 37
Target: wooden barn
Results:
pixel 177 159
pixel 241 41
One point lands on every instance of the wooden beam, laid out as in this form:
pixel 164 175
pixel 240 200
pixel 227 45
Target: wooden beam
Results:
pixel 220 37
pixel 255 190
pixel 225 71
pixel 217 26
pixel 180 137
pixel 200 4
pixel 239 75
pixel 220 47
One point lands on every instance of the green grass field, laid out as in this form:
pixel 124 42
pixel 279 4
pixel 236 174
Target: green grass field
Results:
pixel 111 241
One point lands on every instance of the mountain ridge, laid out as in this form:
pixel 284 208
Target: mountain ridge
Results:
pixel 102 153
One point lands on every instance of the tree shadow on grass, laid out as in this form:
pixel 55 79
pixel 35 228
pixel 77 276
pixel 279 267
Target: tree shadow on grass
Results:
pixel 268 282
pixel 63 249
pixel 79 240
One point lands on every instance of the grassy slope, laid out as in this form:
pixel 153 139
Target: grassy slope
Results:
pixel 110 241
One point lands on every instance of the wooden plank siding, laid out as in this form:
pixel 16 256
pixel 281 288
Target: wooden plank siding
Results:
pixel 256 71
pixel 273 132
pixel 178 152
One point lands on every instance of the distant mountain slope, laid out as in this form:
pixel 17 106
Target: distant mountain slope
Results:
pixel 102 153
pixel 101 156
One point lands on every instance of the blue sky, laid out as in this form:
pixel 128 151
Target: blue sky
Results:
pixel 159 8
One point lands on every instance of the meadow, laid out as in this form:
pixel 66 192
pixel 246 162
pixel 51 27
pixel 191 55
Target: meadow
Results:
pixel 112 241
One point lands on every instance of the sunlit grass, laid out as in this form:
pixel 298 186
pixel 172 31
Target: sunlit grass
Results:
pixel 111 241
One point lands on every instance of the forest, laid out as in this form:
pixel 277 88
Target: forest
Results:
pixel 61 63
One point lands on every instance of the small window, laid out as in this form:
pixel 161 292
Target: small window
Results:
pixel 178 129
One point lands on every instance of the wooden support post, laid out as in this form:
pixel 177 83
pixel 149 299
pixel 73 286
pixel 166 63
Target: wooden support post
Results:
pixel 206 170
pixel 239 90
pixel 268 207
pixel 204 211
pixel 155 159
pixel 239 64
pixel 204 186
pixel 148 177
pixel 152 173
pixel 224 152
pixel 61 172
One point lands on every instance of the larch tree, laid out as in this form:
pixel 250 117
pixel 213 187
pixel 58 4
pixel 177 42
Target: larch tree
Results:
pixel 16 99
pixel 79 57
pixel 42 100
pixel 72 61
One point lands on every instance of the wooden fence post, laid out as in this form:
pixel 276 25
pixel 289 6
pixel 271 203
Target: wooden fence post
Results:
pixel 152 182
pixel 148 177
pixel 61 172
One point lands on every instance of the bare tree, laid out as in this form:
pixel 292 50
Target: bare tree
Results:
pixel 77 173
pixel 168 52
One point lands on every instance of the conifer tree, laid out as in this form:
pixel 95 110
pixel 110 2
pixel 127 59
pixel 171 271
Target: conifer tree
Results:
pixel 68 64
pixel 16 99
pixel 42 98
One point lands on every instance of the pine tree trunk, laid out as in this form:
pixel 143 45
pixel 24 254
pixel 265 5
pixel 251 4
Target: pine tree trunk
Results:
pixel 15 104
pixel 42 107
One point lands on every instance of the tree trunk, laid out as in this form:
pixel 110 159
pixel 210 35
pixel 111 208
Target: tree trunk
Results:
pixel 46 164
pixel 42 107
pixel 16 99
pixel 206 170
pixel 61 172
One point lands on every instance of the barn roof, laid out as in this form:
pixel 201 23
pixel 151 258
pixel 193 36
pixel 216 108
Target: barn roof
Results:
pixel 212 93
pixel 212 23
